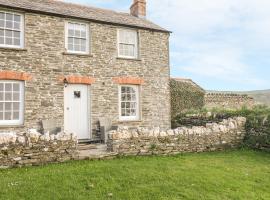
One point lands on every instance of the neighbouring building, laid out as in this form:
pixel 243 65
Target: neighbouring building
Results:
pixel 185 95
pixel 75 65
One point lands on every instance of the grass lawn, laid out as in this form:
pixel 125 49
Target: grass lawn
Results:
pixel 242 174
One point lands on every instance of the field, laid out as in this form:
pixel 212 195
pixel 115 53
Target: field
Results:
pixel 239 174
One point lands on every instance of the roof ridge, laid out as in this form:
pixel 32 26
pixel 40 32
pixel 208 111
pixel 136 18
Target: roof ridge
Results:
pixel 82 11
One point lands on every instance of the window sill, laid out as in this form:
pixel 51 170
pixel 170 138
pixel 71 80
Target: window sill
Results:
pixel 129 121
pixel 12 126
pixel 132 59
pixel 78 54
pixel 13 48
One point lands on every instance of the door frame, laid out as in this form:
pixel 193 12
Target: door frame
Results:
pixel 89 109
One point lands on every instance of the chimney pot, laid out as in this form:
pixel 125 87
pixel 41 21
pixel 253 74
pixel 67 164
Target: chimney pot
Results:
pixel 138 8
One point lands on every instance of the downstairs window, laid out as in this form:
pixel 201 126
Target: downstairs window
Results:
pixel 11 102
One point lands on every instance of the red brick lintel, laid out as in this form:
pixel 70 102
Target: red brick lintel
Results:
pixel 14 75
pixel 128 80
pixel 72 79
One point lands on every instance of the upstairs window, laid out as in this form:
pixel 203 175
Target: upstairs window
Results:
pixel 11 29
pixel 129 102
pixel 77 37
pixel 11 102
pixel 127 43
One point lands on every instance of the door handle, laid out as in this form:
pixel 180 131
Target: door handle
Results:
pixel 67 108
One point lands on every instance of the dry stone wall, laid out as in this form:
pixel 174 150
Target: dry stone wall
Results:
pixel 228 101
pixel 214 136
pixel 32 148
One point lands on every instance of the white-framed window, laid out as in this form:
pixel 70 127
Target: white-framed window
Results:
pixel 11 29
pixel 127 43
pixel 77 37
pixel 129 102
pixel 11 102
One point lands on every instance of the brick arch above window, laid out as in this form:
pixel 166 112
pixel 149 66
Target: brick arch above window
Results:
pixel 14 75
pixel 73 79
pixel 129 80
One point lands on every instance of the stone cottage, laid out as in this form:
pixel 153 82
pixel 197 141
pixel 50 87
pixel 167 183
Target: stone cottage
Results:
pixel 75 65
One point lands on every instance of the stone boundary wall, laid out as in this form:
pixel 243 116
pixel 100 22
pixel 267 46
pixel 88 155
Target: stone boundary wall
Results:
pixel 227 134
pixel 32 148
pixel 228 101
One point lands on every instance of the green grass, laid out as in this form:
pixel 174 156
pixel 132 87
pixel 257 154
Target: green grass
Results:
pixel 242 174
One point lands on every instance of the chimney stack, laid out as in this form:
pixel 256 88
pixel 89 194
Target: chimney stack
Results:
pixel 138 8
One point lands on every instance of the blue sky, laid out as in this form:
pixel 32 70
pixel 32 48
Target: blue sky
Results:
pixel 222 45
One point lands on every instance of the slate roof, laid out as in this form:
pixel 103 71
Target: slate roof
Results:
pixel 64 9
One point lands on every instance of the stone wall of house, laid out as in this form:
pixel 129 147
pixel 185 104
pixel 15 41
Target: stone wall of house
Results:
pixel 214 136
pixel 32 148
pixel 228 101
pixel 44 58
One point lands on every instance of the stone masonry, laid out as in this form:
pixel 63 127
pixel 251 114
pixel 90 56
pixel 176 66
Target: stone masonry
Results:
pixel 228 101
pixel 32 148
pixel 227 134
pixel 44 60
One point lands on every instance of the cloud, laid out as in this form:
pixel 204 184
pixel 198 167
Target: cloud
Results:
pixel 215 39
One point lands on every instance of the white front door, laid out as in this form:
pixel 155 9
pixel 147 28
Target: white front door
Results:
pixel 76 105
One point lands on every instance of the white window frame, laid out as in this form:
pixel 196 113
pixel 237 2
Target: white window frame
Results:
pixel 129 118
pixel 20 121
pixel 21 31
pixel 136 45
pixel 87 38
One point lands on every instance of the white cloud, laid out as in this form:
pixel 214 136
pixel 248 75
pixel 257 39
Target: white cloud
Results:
pixel 213 38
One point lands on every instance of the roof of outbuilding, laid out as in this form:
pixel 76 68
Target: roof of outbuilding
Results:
pixel 189 81
pixel 60 8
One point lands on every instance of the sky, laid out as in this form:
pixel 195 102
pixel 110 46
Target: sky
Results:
pixel 221 45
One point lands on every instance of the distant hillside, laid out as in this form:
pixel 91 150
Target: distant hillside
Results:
pixel 260 96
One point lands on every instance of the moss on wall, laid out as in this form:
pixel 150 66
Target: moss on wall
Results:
pixel 185 95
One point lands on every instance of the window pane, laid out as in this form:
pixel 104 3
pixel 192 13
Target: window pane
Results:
pixel 16 25
pixel 8 33
pixel 16 87
pixel 9 41
pixel 1 96
pixel 1 40
pixel 9 16
pixel 83 34
pixel 1 106
pixel 77 41
pixel 7 106
pixel 17 42
pixel 8 87
pixel 16 116
pixel 16 106
pixel 83 48
pixel 16 34
pixel 9 24
pixel 1 116
pixel 2 16
pixel 70 40
pixel 77 47
pixel 70 47
pixel 1 33
pixel 7 115
pixel 8 96
pixel 77 33
pixel 16 96
pixel 70 32
pixel 2 23
pixel 17 18
pixel 1 86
